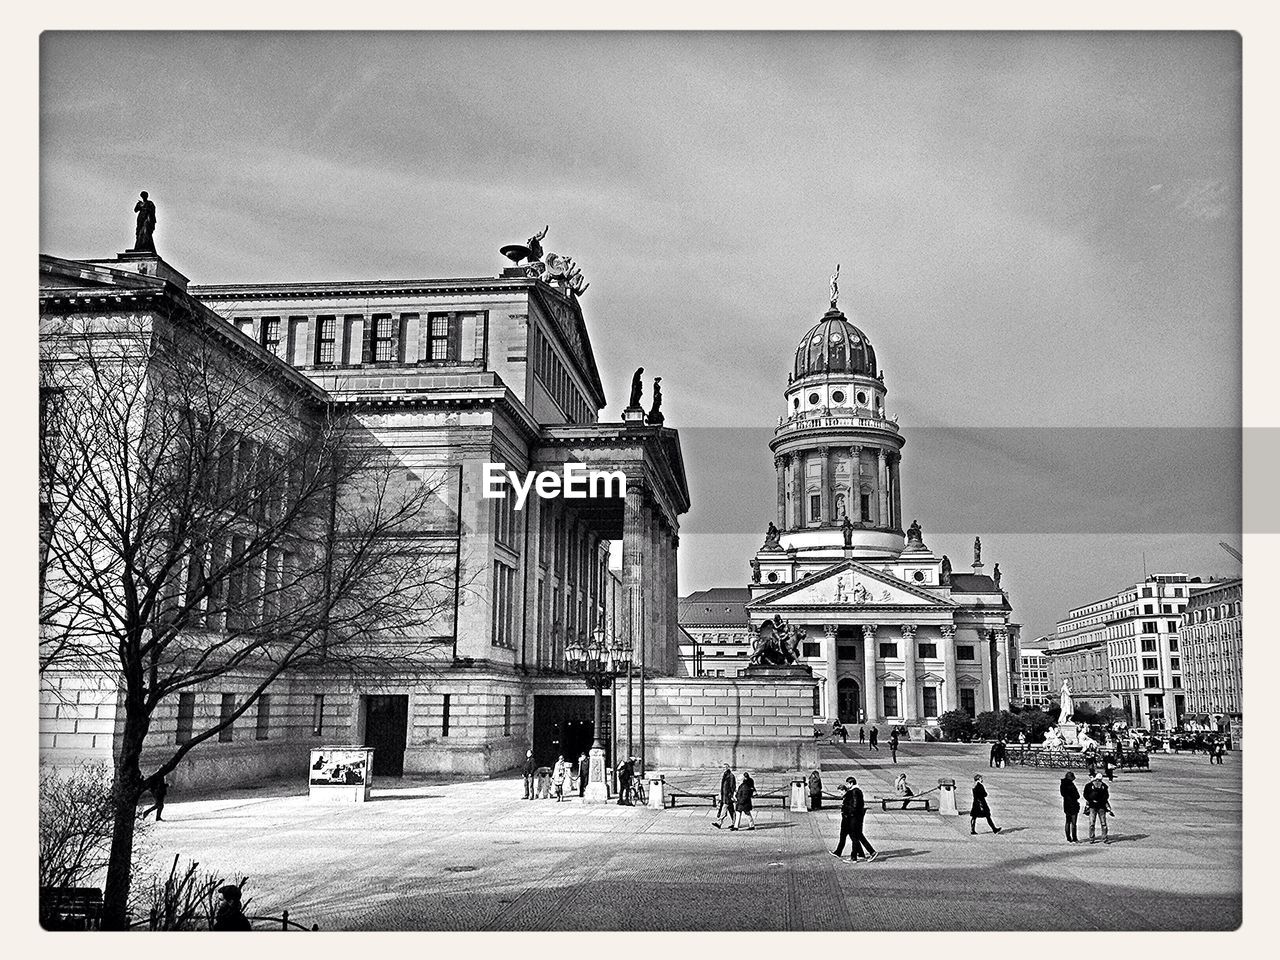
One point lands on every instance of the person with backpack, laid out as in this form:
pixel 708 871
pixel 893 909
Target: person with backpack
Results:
pixel 1098 798
pixel 853 810
pixel 1070 805
pixel 979 808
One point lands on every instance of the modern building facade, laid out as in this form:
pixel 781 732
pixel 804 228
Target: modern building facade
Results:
pixel 892 634
pixel 1212 647
pixel 1036 675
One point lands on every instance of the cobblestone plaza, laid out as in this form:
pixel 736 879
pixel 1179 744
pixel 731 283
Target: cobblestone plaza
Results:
pixel 430 855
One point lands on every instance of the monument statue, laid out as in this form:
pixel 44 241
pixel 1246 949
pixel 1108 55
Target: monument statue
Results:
pixel 1066 703
pixel 778 646
pixel 846 531
pixel 913 532
pixel 771 535
pixel 535 243
pixel 977 551
pixel 144 234
pixel 655 412
pixel 995 574
pixel 755 570
pixel 637 389
pixel 946 569
pixel 835 287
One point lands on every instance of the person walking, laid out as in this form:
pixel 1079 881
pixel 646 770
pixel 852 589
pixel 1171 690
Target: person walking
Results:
pixel 1098 798
pixel 893 745
pixel 844 733
pixel 229 914
pixel 1109 766
pixel 728 785
pixel 558 774
pixel 584 774
pixel 979 807
pixel 1091 760
pixel 158 792
pixel 529 768
pixel 815 791
pixel 746 790
pixel 875 735
pixel 853 810
pixel 1070 805
pixel 862 735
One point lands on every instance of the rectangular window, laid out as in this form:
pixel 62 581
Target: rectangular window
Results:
pixel 930 701
pixel 444 717
pixel 263 728
pixel 317 715
pixel 186 716
pixel 929 651
pixel 326 339
pixel 271 335
pixel 506 716
pixel 1148 608
pixel 227 733
pixel 968 701
pixel 1148 645
pixel 864 507
pixel 1171 626
pixel 846 651
pixel 384 338
pixel 1175 663
pixel 815 507
pixel 1150 663
pixel 1151 681
pixel 964 652
pixel 1173 644
pixel 1146 591
pixel 1166 608
pixel 817 702
pixel 1177 682
pixel 888 650
pixel 1150 626
pixel 812 650
pixel 441 339
pixel 890 701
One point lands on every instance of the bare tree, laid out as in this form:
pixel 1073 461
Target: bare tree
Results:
pixel 207 513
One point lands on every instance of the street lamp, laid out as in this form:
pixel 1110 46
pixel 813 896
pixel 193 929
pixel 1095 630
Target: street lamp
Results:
pixel 598 662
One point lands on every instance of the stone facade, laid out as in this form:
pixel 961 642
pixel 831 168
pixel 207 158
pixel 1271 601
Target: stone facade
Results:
pixel 1212 646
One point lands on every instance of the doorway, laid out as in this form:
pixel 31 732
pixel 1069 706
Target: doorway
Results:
pixel 848 702
pixel 386 727
pixel 563 726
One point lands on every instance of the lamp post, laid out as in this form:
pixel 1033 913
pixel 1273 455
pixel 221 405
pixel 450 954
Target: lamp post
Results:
pixel 598 661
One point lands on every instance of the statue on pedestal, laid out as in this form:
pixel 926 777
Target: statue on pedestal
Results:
pixel 637 390
pixel 835 287
pixel 772 537
pixel 846 531
pixel 777 643
pixel 655 412
pixel 1066 703
pixel 755 570
pixel 144 233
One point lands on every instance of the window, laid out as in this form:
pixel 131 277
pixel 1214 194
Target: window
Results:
pixel 812 650
pixel 504 510
pixel 838 397
pixel 1148 645
pixel 326 339
pixel 1151 681
pixel 227 733
pixel 503 604
pixel 968 701
pixel 1175 663
pixel 814 398
pixel 815 507
pixel 1177 591
pixel 890 701
pixel 846 651
pixel 317 715
pixel 506 716
pixel 186 716
pixel 384 338
pixel 930 701
pixel 888 650
pixel 1148 608
pixel 1150 663
pixel 1146 591
pixel 864 505
pixel 1166 608
pixel 817 705
pixel 1150 626
pixel 862 397
pixel 263 727
pixel 271 335
pixel 1177 682
pixel 964 652
pixel 1173 644
pixel 442 338
pixel 1171 626
pixel 929 651
pixel 444 717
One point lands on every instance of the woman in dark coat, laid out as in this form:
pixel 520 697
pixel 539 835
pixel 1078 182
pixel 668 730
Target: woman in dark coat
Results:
pixel 979 807
pixel 1070 804
pixel 746 790
pixel 815 791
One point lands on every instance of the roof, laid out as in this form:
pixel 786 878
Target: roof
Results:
pixel 834 345
pixel 718 606
pixel 972 583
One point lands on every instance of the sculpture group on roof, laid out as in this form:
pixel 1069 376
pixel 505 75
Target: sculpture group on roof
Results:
pixel 553 268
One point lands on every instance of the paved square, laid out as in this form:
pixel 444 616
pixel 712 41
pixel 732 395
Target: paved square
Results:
pixel 474 856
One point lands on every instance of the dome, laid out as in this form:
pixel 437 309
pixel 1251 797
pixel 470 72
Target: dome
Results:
pixel 835 345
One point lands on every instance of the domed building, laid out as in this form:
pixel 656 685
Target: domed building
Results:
pixel 893 635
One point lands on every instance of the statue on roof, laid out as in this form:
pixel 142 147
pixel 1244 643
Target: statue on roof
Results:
pixel 144 232
pixel 655 412
pixel 535 243
pixel 846 531
pixel 945 576
pixel 913 533
pixel 835 287
pixel 772 536
pixel 977 551
pixel 637 390
pixel 755 570
pixel 995 574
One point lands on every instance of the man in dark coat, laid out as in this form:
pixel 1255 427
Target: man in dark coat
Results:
pixel 584 774
pixel 1098 798
pixel 626 771
pixel 528 769
pixel 853 809
pixel 158 792
pixel 746 790
pixel 979 808
pixel 862 734
pixel 893 745
pixel 728 784
pixel 1070 804
pixel 815 791
pixel 875 735
pixel 229 914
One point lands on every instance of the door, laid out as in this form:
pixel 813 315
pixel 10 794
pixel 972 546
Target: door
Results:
pixel 563 726
pixel 386 726
pixel 847 701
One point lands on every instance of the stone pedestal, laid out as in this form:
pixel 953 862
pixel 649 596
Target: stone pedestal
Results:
pixel 947 798
pixel 597 786
pixel 633 415
pixel 656 786
pixel 763 671
pixel 1070 733
pixel 799 794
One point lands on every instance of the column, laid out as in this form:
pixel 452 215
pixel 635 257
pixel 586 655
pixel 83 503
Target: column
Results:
pixel 855 474
pixel 911 691
pixel 882 488
pixel 531 517
pixel 829 651
pixel 632 567
pixel 672 594
pixel 780 466
pixel 950 685
pixel 1002 667
pixel 870 697
pixel 896 467
pixel 983 645
pixel 797 491
pixel 825 500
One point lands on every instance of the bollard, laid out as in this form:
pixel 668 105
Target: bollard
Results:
pixel 656 784
pixel 946 797
pixel 799 793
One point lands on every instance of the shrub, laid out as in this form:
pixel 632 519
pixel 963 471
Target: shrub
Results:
pixel 186 900
pixel 956 725
pixel 75 825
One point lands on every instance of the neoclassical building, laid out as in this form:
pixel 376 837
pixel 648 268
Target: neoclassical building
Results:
pixel 893 635
pixel 1212 645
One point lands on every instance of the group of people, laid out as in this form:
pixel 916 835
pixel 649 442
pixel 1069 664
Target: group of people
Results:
pixel 1097 797
pixel 544 782
pixel 735 799
pixel 838 729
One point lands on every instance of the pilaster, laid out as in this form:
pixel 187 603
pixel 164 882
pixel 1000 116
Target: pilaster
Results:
pixel 871 697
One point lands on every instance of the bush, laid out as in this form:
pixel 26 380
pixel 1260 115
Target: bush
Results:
pixel 76 819
pixel 1036 723
pixel 956 725
pixel 186 900
pixel 992 726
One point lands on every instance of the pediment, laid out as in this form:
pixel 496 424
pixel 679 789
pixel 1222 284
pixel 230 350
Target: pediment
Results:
pixel 850 585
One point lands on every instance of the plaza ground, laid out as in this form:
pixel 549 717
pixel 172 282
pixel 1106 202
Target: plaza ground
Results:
pixel 475 856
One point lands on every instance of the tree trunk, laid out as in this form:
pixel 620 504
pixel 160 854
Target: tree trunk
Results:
pixel 126 791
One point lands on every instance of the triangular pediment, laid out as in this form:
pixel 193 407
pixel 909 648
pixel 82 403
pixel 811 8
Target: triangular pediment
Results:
pixel 850 585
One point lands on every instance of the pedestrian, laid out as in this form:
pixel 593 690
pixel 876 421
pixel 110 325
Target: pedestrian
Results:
pixel 728 785
pixel 903 789
pixel 746 790
pixel 625 772
pixel 875 734
pixel 893 745
pixel 1109 766
pixel 862 734
pixel 1222 751
pixel 844 733
pixel 1098 799
pixel 815 791
pixel 994 754
pixel 979 807
pixel 584 774
pixel 1070 805
pixel 1091 761
pixel 1022 738
pixel 558 774
pixel 158 791
pixel 853 810
pixel 529 768
pixel 229 914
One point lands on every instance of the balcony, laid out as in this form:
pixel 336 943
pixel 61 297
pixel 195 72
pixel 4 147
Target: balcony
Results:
pixel 823 421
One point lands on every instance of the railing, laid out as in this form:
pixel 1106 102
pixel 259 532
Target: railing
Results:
pixel 805 422
pixel 283 922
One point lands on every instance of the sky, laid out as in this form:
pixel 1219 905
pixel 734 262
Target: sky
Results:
pixel 1038 232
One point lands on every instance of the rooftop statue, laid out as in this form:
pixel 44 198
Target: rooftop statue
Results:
pixel 144 234
pixel 771 535
pixel 637 390
pixel 655 412
pixel 913 532
pixel 977 551
pixel 835 287
pixel 530 250
pixel 846 531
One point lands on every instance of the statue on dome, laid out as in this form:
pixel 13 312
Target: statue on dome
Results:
pixel 835 287
pixel 945 577
pixel 655 412
pixel 772 536
pixel 637 390
pixel 913 532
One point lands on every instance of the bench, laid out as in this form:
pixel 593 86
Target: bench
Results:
pixel 906 803
pixel 70 908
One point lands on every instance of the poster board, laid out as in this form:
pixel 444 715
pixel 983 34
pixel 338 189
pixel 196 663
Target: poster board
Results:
pixel 340 773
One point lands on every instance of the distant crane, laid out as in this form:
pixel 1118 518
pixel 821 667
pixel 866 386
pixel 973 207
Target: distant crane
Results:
pixel 1231 550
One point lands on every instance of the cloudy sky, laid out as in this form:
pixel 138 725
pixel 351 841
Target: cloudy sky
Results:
pixel 1036 231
